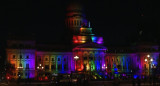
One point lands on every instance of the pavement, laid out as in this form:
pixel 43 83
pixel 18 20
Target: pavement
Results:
pixel 91 83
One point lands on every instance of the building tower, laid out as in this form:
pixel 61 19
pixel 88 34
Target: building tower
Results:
pixel 87 47
pixel 75 18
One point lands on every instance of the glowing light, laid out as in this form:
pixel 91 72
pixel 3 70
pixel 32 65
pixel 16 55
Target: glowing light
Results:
pixel 76 57
pixel 83 41
pixel 98 40
pixel 148 56
pixel 76 41
pixel 19 67
pixel 46 78
pixel 145 60
pixel 37 67
pixel 135 76
pixel 8 77
pixel 151 60
pixel 87 67
pixel 40 65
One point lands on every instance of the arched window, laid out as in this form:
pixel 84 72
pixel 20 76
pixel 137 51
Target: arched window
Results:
pixel 27 57
pixel 46 59
pixel 14 56
pixel 20 56
pixel 91 57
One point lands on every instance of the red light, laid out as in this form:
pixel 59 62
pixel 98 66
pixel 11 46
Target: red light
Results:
pixel 46 78
pixel 8 77
pixel 76 41
pixel 40 78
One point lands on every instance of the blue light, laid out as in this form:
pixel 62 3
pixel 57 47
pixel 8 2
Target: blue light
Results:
pixel 116 72
pixel 115 69
pixel 135 76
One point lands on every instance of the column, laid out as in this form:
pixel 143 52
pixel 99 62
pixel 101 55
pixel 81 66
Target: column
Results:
pixel 50 60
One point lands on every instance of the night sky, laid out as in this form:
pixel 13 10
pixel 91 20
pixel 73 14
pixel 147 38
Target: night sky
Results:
pixel 118 21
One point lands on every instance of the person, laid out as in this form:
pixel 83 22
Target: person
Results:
pixel 145 79
pixel 150 81
pixel 139 81
pixel 133 82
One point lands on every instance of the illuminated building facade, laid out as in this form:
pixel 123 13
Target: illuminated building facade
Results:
pixel 132 60
pixel 21 55
pixel 30 61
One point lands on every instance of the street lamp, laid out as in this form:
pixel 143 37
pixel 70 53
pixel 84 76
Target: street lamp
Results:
pixel 149 60
pixel 39 68
pixel 76 58
pixel 104 67
pixel 20 68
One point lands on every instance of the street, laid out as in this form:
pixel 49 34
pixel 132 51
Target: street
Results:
pixel 90 83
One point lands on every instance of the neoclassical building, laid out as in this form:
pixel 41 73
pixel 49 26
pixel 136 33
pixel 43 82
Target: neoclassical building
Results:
pixel 87 53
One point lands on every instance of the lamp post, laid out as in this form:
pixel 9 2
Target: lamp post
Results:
pixel 20 68
pixel 76 58
pixel 39 68
pixel 149 60
pixel 104 67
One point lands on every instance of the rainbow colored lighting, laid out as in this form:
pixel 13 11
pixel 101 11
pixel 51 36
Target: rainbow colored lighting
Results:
pixel 98 40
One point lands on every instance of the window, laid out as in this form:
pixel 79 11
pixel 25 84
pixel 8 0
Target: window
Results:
pixel 65 67
pixel 64 59
pixel 145 66
pixel 58 59
pixel 39 59
pixel 74 22
pixel 26 74
pixel 13 65
pixel 20 65
pixel 59 67
pixel 52 67
pixel 85 58
pixel 117 60
pixel 52 59
pixel 46 59
pixel 27 66
pixel 91 58
pixel 14 56
pixel 46 67
pixel 78 22
pixel 27 57
pixel 20 56
pixel 107 60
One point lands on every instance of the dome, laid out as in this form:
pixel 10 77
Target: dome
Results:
pixel 75 7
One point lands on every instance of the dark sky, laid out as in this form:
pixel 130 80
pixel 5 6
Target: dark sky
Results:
pixel 118 21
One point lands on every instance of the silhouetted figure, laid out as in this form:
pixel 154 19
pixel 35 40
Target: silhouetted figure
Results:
pixel 18 81
pixel 145 80
pixel 150 81
pixel 133 82
pixel 154 80
pixel 139 81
